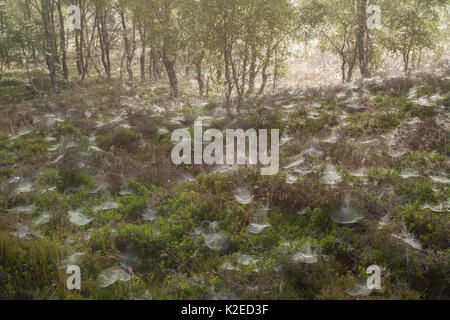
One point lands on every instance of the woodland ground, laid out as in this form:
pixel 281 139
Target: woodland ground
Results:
pixel 86 179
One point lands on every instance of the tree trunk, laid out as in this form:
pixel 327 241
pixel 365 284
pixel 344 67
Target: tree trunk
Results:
pixel 199 76
pixel 264 79
pixel 88 46
pixel 406 62
pixel 239 86
pixel 153 66
pixel 127 48
pixel 343 64
pixel 252 71
pixel 104 41
pixel 142 35
pixel 360 38
pixel 50 40
pixel 150 64
pixel 62 41
pixel 142 64
pixel 275 72
pixel 264 75
pixel 79 60
pixel 169 65
pixel 229 82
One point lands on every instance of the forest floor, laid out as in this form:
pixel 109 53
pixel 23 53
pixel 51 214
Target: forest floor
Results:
pixel 87 179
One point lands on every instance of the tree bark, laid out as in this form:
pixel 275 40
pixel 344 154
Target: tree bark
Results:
pixel 104 40
pixel 229 82
pixel 127 48
pixel 199 76
pixel 264 77
pixel 62 41
pixel 169 64
pixel 50 45
pixel 142 35
pixel 362 28
pixel 252 72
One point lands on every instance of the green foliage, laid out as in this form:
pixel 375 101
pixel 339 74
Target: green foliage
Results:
pixel 430 226
pixel 67 129
pixel 29 266
pixel 366 123
pixel 411 27
pixel 71 179
pixel 121 138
